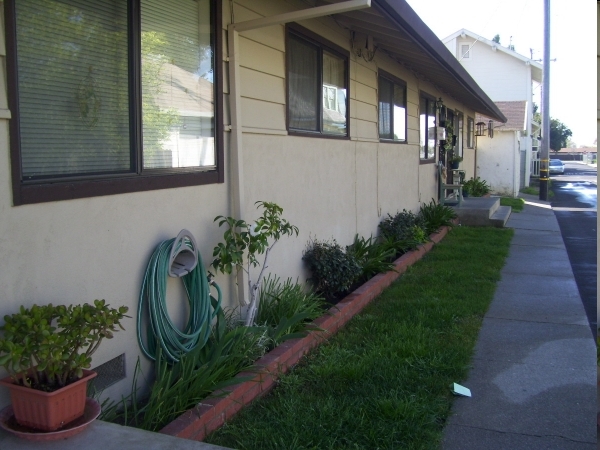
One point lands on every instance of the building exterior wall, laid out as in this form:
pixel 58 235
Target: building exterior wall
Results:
pixel 499 162
pixel 74 251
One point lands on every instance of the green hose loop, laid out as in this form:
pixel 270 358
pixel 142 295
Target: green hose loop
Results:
pixel 161 331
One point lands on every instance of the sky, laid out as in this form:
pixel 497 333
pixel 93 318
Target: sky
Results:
pixel 573 78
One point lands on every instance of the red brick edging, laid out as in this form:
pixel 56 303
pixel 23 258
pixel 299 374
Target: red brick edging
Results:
pixel 209 415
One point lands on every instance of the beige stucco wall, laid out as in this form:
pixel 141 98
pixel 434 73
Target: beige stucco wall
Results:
pixel 78 250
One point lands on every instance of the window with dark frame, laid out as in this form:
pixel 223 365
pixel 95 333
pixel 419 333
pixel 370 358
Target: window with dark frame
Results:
pixel 392 108
pixel 427 128
pixel 317 85
pixel 113 96
pixel 459 140
pixel 470 132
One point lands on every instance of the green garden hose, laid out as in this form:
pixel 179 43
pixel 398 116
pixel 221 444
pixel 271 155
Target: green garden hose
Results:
pixel 203 307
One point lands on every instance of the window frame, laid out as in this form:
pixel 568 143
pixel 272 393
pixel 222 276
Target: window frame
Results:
pixel 429 98
pixel 470 132
pixel 395 81
pixel 323 44
pixel 136 179
pixel 459 127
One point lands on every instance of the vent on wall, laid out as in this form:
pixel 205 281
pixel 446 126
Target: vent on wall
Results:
pixel 464 51
pixel 108 373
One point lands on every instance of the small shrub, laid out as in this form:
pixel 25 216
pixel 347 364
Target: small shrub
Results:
pixel 404 231
pixel 373 257
pixel 476 187
pixel 436 216
pixel 333 271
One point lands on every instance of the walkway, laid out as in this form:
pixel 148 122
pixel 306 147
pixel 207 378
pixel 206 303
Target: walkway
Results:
pixel 533 377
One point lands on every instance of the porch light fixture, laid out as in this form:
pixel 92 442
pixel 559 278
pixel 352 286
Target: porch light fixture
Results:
pixel 491 129
pixel 439 103
pixel 480 129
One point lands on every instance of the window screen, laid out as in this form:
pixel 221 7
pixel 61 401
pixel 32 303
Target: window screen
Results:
pixel 73 87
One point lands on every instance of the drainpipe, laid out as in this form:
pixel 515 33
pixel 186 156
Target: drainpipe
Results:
pixel 237 154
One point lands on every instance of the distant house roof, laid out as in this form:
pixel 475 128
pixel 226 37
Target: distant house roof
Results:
pixel 399 32
pixel 515 113
pixel 536 67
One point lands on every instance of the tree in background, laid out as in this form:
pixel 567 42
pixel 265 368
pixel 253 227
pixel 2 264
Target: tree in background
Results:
pixel 496 39
pixel 559 134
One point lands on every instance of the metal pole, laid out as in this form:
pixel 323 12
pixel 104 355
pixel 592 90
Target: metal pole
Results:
pixel 544 166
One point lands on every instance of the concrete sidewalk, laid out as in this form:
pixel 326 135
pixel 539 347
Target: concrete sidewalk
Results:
pixel 533 377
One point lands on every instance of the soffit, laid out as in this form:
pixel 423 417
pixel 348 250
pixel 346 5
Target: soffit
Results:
pixel 398 31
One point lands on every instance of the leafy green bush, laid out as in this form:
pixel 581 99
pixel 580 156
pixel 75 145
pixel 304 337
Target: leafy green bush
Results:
pixel 404 231
pixel 401 226
pixel 373 257
pixel 436 216
pixel 333 271
pixel 476 187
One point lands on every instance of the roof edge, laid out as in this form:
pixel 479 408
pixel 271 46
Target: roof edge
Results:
pixel 400 12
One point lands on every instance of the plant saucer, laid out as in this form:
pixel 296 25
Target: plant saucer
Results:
pixel 9 423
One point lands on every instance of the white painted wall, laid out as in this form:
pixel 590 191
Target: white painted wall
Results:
pixel 77 250
pixel 503 78
pixel 499 163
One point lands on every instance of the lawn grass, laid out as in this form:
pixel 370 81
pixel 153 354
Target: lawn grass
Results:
pixel 517 204
pixel 384 380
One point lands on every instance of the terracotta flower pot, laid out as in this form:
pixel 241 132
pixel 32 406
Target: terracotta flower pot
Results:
pixel 48 411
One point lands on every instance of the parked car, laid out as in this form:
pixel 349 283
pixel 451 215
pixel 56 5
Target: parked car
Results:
pixel 557 166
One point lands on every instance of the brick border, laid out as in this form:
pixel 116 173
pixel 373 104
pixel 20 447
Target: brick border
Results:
pixel 209 415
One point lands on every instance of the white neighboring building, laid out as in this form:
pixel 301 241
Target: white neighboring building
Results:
pixel 506 76
pixel 499 160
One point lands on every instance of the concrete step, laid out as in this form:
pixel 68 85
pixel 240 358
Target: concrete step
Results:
pixel 476 211
pixel 500 216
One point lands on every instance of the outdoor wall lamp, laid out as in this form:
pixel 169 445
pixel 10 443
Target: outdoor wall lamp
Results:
pixel 439 103
pixel 480 129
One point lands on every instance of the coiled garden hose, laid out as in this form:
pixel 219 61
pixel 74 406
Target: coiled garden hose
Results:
pixel 203 307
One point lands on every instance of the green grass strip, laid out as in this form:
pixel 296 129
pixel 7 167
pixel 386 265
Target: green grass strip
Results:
pixel 384 380
pixel 517 204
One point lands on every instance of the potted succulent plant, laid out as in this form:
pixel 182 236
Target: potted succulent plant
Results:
pixel 46 351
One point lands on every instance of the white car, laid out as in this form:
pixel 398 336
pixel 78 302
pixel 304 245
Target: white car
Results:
pixel 557 166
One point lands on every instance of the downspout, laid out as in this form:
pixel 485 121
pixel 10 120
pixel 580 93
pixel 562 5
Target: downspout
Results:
pixel 236 149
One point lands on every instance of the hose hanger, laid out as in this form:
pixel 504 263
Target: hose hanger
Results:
pixel 184 255
pixel 177 257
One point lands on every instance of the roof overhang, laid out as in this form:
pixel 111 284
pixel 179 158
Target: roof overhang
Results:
pixel 398 31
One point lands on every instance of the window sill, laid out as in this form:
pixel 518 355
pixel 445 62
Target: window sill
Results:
pixel 24 194
pixel 317 135
pixel 392 141
pixel 426 161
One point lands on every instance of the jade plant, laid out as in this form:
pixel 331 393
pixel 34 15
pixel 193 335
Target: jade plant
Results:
pixel 244 243
pixel 47 347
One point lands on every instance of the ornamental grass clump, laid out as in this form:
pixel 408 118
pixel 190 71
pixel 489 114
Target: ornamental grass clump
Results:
pixel 436 216
pixel 476 187
pixel 372 256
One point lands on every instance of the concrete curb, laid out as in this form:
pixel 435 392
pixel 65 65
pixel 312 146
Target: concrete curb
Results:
pixel 209 415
